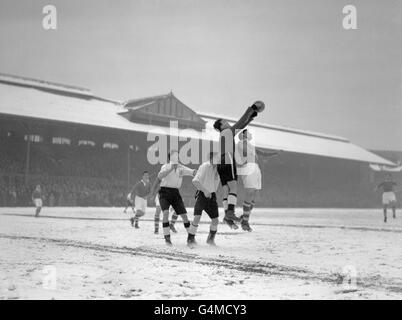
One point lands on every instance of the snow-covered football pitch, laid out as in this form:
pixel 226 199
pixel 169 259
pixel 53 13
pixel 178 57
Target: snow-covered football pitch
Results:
pixel 93 253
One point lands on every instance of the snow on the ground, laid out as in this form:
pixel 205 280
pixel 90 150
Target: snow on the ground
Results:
pixel 88 253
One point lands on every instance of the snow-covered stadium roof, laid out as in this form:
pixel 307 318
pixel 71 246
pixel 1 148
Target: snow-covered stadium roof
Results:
pixel 22 97
pixel 307 142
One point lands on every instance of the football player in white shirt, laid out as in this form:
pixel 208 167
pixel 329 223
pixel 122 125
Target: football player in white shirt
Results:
pixel 206 181
pixel 171 177
pixel 250 173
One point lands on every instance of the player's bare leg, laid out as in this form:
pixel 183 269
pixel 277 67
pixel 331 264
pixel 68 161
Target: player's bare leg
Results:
pixel 394 210
pixel 37 211
pixel 157 219
pixel 137 216
pixel 173 221
pixel 166 228
pixel 132 219
pixel 253 203
pixel 192 231
pixel 212 231
pixel 186 222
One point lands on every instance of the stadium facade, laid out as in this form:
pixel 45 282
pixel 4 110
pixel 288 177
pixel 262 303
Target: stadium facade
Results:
pixel 88 150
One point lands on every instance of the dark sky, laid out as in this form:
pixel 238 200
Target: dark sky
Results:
pixel 219 56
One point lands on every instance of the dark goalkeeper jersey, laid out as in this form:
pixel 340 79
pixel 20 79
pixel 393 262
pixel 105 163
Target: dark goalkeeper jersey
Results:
pixel 226 138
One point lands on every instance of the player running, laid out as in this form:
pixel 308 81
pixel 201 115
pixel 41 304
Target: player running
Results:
pixel 206 181
pixel 227 165
pixel 140 192
pixel 388 195
pixel 171 177
pixel 37 200
pixel 250 173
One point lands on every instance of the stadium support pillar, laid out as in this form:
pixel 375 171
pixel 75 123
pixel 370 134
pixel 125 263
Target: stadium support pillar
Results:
pixel 28 158
pixel 128 165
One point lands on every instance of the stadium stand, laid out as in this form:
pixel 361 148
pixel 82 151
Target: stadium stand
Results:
pixel 89 151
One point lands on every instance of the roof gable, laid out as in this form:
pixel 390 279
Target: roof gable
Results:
pixel 162 109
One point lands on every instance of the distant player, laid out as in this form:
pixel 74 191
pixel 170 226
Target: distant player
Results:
pixel 227 166
pixel 388 195
pixel 171 177
pixel 250 173
pixel 206 181
pixel 37 200
pixel 140 192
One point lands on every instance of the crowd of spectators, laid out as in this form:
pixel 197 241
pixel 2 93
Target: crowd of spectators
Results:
pixel 65 161
pixel 61 191
pixel 68 176
pixel 85 176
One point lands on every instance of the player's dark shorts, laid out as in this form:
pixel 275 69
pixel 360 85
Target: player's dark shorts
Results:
pixel 171 197
pixel 209 205
pixel 227 172
pixel 227 169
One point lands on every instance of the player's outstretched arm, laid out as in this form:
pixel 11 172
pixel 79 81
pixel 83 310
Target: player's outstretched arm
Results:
pixel 165 170
pixel 246 118
pixel 188 171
